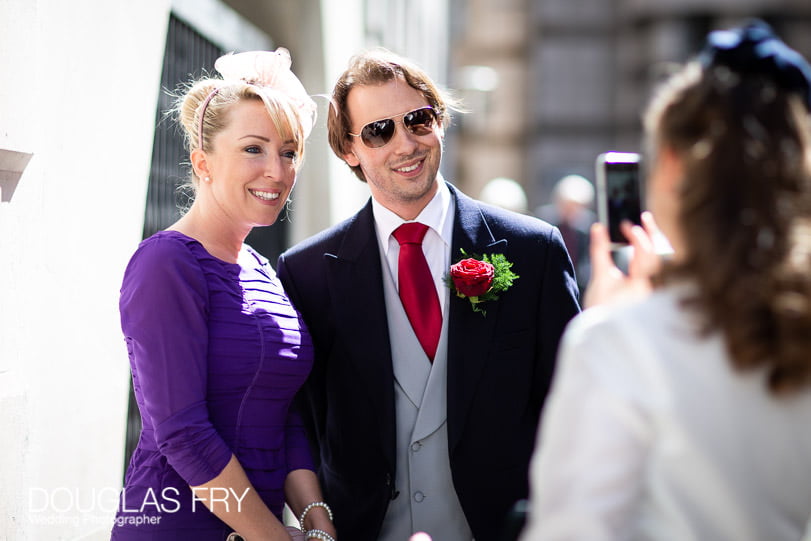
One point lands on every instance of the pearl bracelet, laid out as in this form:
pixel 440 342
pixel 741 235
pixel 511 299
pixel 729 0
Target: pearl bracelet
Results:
pixel 319 534
pixel 307 510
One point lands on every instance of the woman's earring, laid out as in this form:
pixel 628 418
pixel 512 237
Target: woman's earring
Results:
pixel 207 179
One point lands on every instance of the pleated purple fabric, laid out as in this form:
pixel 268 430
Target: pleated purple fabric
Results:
pixel 217 353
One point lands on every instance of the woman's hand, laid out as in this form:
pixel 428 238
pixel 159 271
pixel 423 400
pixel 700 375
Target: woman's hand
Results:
pixel 302 490
pixel 607 282
pixel 242 508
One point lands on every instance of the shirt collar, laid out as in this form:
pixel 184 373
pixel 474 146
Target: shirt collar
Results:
pixel 435 215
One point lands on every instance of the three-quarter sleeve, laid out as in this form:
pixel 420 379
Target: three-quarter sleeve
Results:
pixel 163 309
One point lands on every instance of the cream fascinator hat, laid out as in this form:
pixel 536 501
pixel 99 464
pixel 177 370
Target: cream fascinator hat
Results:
pixel 269 70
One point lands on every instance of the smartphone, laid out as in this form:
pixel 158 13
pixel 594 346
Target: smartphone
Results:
pixel 619 192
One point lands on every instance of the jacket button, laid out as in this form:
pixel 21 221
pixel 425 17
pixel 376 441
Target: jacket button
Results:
pixel 419 496
pixel 416 446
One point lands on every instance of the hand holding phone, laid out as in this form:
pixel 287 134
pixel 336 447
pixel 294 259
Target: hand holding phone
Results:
pixel 619 192
pixel 608 283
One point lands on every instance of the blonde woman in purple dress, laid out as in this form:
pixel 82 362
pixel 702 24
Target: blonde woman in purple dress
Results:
pixel 217 351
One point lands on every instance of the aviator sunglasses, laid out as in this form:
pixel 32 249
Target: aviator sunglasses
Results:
pixel 378 133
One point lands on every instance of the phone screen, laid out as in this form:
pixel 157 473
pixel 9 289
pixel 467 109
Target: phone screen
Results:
pixel 619 192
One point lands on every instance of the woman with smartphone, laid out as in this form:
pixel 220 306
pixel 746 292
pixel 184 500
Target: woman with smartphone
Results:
pixel 683 414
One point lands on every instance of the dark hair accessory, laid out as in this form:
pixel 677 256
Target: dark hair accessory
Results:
pixel 754 49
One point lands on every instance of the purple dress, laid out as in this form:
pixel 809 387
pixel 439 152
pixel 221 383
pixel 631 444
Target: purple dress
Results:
pixel 217 353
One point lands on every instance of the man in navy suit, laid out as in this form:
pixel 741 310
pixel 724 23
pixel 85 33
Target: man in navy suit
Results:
pixel 416 434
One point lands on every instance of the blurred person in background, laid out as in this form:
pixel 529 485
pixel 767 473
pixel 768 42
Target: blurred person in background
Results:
pixel 505 193
pixel 571 211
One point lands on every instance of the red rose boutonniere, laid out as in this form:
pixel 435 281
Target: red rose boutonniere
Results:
pixel 480 279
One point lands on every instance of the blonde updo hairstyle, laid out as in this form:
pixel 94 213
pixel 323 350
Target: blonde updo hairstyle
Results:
pixel 216 114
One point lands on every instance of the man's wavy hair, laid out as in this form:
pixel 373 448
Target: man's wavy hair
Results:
pixel 377 67
pixel 745 213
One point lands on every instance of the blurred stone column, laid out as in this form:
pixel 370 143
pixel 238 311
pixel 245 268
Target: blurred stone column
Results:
pixel 489 59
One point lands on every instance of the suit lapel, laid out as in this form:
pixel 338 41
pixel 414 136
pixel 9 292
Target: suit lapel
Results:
pixel 470 334
pixel 355 281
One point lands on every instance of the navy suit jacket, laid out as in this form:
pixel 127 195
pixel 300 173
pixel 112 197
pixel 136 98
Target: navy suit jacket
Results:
pixel 499 366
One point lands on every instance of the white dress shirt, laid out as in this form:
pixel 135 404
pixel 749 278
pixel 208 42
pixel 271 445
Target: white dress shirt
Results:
pixel 650 434
pixel 438 216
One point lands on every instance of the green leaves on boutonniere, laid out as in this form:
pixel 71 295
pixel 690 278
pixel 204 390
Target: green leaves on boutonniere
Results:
pixel 480 279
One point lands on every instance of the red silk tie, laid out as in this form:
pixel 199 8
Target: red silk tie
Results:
pixel 417 289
